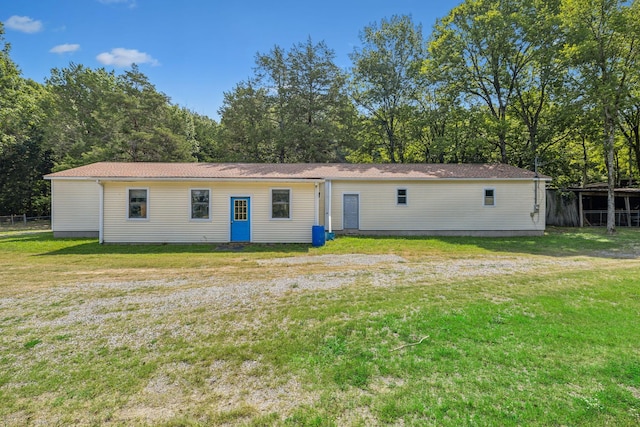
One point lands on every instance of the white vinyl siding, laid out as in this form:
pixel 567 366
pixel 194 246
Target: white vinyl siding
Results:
pixel 441 205
pixel 167 221
pixel 75 206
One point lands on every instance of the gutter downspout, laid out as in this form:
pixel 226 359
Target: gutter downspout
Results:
pixel 101 213
pixel 327 205
pixel 316 204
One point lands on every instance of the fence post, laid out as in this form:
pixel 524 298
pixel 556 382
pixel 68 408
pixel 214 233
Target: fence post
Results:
pixel 11 219
pixel 24 218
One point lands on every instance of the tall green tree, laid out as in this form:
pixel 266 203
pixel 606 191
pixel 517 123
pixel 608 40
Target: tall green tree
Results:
pixel 437 111
pixel 318 102
pixel 386 81
pixel 96 115
pixel 246 130
pixel 273 76
pixel 207 134
pixel 24 158
pixel 499 54
pixel 603 46
pixel 82 113
pixel 630 123
pixel 144 132
pixel 293 110
pixel 540 85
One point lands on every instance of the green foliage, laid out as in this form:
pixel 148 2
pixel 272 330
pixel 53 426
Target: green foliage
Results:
pixel 602 46
pixel 100 116
pixel 294 110
pixel 386 84
pixel 24 157
pixel 247 132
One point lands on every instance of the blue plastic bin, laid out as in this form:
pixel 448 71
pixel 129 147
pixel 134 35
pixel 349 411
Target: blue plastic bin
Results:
pixel 317 235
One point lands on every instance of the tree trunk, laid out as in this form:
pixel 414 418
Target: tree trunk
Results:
pixel 391 150
pixel 503 148
pixel 609 134
pixel 636 146
pixel 585 162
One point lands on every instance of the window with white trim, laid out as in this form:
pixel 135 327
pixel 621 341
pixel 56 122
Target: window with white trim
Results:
pixel 280 203
pixel 138 198
pixel 401 196
pixel 200 203
pixel 489 196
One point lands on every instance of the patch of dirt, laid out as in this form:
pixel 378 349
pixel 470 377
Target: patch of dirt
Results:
pixel 336 260
pixel 266 392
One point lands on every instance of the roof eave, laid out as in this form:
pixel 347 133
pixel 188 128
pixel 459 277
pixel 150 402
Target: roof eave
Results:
pixel 174 179
pixel 274 179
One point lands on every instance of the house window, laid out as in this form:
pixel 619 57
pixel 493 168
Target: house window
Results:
pixel 489 197
pixel 200 204
pixel 401 197
pixel 138 203
pixel 280 204
pixel 240 210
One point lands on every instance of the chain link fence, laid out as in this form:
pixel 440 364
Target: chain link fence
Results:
pixel 24 221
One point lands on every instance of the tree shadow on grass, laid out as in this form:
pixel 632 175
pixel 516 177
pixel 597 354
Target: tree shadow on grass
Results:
pixel 63 246
pixel 556 242
pixel 94 248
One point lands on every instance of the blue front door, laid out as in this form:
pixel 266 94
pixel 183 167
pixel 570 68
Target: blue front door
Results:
pixel 240 219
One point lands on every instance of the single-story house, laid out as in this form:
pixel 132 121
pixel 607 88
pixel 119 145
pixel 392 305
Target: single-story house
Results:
pixel 281 203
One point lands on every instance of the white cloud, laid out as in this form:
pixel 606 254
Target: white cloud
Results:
pixel 23 24
pixel 65 48
pixel 121 57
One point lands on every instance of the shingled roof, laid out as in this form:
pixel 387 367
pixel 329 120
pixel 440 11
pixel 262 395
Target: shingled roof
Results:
pixel 252 171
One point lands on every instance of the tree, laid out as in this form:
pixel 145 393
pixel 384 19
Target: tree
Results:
pixel 437 109
pixel 386 80
pixel 293 110
pixel 540 85
pixel 630 124
pixel 144 132
pixel 207 132
pixel 96 115
pixel 603 42
pixel 82 114
pixel 246 127
pixel 499 54
pixel 318 102
pixel 23 155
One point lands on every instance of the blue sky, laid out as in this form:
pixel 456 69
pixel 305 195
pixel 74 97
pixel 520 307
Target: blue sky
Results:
pixel 192 50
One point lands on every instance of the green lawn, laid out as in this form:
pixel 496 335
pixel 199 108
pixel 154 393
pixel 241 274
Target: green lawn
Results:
pixel 363 331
